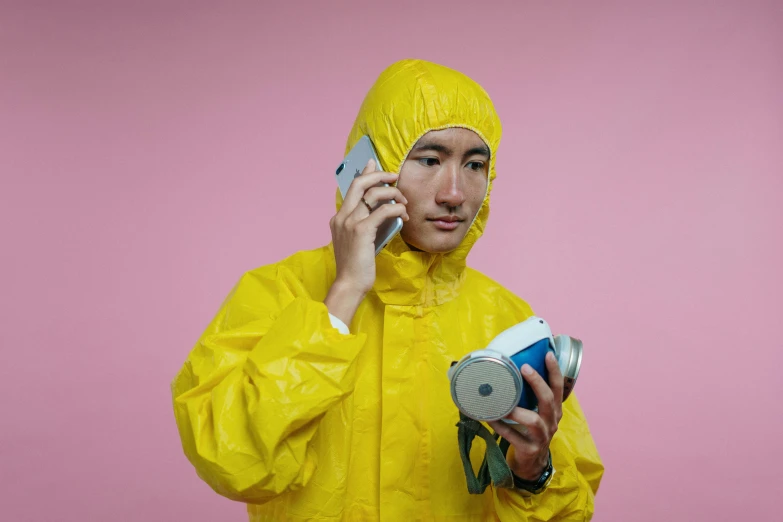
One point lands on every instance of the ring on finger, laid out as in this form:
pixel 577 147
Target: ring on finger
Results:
pixel 367 205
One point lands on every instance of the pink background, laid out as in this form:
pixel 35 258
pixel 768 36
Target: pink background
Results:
pixel 151 152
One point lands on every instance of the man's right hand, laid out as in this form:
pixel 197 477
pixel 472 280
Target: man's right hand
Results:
pixel 354 229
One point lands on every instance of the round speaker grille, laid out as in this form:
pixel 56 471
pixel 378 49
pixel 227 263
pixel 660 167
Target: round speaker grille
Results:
pixel 485 389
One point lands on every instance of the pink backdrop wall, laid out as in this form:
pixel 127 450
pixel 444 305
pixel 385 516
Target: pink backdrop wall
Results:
pixel 142 144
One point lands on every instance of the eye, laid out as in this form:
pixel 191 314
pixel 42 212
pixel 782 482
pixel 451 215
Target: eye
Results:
pixel 476 165
pixel 428 162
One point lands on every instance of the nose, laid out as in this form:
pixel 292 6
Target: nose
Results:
pixel 450 190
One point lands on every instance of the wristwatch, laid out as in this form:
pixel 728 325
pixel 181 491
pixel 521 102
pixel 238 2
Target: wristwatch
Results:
pixel 536 486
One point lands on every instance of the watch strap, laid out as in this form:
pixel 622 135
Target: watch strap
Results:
pixel 532 486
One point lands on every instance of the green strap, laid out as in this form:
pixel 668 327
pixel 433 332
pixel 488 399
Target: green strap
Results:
pixel 494 467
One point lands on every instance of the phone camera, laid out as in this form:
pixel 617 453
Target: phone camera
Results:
pixel 340 168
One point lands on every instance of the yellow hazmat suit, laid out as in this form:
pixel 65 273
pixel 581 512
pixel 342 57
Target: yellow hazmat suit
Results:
pixel 278 409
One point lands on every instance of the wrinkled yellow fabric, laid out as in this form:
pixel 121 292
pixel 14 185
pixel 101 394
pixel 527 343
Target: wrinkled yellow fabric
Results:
pixel 278 409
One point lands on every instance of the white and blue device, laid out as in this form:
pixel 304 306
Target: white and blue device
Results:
pixel 487 384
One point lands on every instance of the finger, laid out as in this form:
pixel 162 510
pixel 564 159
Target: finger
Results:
pixel 507 432
pixel 360 185
pixel 531 422
pixel 556 381
pixel 374 195
pixel 546 399
pixel 384 212
pixel 525 444
pixel 362 211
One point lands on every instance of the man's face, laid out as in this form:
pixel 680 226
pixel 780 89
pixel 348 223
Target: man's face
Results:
pixel 444 179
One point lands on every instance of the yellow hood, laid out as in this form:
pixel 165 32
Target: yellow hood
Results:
pixel 409 99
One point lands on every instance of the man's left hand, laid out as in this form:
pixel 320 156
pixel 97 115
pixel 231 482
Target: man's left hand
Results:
pixel 531 436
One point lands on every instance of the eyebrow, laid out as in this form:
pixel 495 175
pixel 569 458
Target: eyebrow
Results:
pixel 483 150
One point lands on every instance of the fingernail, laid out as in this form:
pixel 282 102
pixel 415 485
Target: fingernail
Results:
pixel 370 162
pixel 550 356
pixel 527 370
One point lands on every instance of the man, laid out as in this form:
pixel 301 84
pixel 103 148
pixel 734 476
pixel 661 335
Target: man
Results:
pixel 320 389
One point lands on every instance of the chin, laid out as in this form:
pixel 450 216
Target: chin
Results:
pixel 433 245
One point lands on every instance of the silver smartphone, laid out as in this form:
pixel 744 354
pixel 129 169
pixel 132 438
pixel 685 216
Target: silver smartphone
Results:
pixel 351 167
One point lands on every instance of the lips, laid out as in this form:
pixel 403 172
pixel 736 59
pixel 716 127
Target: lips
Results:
pixel 446 222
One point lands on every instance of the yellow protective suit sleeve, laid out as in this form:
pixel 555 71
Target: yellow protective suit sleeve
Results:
pixel 249 398
pixel 578 471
